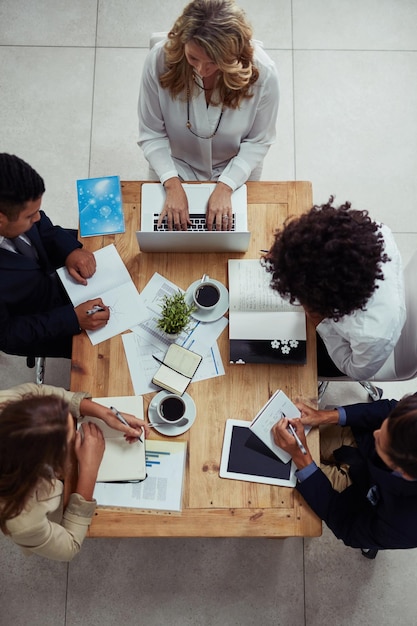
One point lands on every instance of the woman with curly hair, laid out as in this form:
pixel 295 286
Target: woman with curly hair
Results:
pixel 37 433
pixel 346 271
pixel 207 108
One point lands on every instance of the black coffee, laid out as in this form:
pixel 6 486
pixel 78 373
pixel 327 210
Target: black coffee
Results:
pixel 207 295
pixel 172 409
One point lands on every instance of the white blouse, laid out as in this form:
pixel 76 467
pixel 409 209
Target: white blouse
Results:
pixel 242 140
pixel 360 343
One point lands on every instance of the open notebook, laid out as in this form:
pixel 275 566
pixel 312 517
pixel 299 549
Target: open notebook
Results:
pixel 122 461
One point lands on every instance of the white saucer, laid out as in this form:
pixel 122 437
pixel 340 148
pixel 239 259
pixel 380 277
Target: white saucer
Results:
pixel 214 314
pixel 172 431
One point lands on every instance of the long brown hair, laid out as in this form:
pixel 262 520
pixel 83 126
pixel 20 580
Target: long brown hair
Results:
pixel 221 29
pixel 33 446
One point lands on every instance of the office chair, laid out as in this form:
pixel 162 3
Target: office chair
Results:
pixel 38 363
pixel 159 36
pixel 402 362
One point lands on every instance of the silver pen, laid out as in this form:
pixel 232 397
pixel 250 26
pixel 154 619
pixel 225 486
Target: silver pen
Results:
pixel 122 419
pixel 96 308
pixel 297 438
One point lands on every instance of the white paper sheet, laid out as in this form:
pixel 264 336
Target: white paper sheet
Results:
pixel 112 283
pixel 142 365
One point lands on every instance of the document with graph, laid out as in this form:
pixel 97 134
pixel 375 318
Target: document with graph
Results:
pixel 163 486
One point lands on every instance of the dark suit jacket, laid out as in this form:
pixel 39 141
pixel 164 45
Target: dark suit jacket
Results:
pixel 391 522
pixel 36 316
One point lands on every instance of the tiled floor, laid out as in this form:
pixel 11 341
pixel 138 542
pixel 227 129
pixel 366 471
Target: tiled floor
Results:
pixel 69 75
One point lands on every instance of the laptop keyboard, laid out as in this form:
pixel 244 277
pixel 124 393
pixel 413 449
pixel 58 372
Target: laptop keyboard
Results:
pixel 198 222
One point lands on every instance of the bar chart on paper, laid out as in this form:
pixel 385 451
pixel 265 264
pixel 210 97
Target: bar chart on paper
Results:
pixel 162 487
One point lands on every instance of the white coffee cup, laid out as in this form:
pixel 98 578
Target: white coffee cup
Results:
pixel 206 295
pixel 171 408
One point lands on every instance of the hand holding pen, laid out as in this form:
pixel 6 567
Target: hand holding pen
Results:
pixel 289 435
pixel 93 314
pixel 126 423
pixel 297 438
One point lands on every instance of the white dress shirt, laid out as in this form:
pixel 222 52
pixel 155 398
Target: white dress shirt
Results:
pixel 242 140
pixel 360 343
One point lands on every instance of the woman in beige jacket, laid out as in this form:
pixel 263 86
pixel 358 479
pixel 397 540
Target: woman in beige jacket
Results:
pixel 36 431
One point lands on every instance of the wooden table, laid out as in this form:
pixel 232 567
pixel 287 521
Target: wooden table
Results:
pixel 212 506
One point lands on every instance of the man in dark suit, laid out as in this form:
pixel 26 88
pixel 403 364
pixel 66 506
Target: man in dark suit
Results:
pixel 365 491
pixel 36 315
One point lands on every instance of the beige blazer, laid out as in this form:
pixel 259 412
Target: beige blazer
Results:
pixel 43 527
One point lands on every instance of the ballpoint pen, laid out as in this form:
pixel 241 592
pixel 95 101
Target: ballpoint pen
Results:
pixel 122 419
pixel 297 438
pixel 96 308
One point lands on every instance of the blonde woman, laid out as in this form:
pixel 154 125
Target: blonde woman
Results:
pixel 36 433
pixel 207 108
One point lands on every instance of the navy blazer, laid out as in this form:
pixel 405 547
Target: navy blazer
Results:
pixel 390 520
pixel 35 311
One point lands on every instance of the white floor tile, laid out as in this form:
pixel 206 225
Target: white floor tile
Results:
pixel 271 22
pixel 355 24
pixel 114 148
pixel 187 582
pixel 356 131
pixel 279 161
pixel 131 22
pixel 45 119
pixel 32 590
pixel 48 23
pixel 343 587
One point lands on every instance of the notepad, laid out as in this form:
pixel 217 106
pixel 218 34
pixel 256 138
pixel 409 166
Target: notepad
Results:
pixel 278 406
pixel 177 369
pixel 122 461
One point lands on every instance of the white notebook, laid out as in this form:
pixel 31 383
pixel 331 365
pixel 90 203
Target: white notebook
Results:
pixel 122 461
pixel 278 406
pixel 112 283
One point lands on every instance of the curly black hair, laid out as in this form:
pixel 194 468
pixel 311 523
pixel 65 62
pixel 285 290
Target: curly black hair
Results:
pixel 328 259
pixel 19 183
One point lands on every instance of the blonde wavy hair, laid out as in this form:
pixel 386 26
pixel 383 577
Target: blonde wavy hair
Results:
pixel 221 29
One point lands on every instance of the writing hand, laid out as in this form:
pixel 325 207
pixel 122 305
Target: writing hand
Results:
pixel 285 440
pixel 176 206
pixel 219 208
pixel 88 321
pixel 81 264
pixel 132 432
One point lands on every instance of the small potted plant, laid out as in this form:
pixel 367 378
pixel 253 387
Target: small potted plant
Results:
pixel 175 313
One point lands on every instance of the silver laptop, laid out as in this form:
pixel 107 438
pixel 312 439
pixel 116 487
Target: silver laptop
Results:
pixel 152 238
